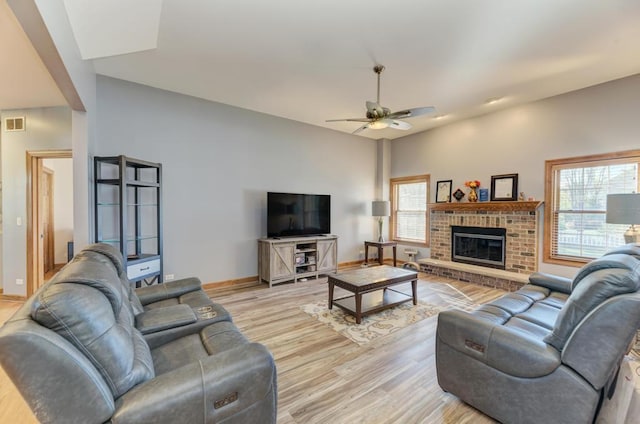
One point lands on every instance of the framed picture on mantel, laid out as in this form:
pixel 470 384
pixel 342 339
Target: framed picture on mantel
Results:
pixel 504 187
pixel 443 191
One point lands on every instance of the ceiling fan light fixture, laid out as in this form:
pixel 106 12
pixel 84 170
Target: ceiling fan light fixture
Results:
pixel 378 125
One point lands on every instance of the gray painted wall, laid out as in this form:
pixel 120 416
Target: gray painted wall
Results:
pixel 46 129
pixel 594 120
pixel 218 164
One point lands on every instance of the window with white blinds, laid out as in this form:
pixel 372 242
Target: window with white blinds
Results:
pixel 409 216
pixel 576 202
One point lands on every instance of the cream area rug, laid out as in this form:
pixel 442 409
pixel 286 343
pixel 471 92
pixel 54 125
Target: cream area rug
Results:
pixel 374 325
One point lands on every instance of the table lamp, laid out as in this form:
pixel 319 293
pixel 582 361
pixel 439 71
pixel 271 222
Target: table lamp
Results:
pixel 380 209
pixel 625 209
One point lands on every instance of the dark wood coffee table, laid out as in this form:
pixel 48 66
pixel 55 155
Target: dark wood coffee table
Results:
pixel 370 288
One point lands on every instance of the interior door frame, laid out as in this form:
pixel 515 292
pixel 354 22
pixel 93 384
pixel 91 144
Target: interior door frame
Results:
pixel 49 246
pixel 35 260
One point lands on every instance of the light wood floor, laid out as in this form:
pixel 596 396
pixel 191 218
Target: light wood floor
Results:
pixel 322 376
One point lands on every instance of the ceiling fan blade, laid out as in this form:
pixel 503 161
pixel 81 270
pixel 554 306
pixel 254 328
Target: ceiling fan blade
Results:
pixel 350 120
pixel 364 127
pixel 411 113
pixel 400 125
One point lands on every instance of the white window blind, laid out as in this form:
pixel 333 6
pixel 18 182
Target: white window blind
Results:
pixel 578 224
pixel 409 209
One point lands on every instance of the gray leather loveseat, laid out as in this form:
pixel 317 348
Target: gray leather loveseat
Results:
pixel 547 352
pixel 86 348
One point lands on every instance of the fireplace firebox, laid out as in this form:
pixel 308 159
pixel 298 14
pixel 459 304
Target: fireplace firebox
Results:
pixel 478 246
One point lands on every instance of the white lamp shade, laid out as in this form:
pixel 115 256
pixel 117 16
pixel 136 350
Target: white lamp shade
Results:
pixel 380 208
pixel 623 208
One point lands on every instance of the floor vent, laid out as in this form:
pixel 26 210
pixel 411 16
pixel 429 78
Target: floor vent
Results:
pixel 14 124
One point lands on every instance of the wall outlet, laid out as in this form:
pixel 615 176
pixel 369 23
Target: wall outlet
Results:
pixel 19 221
pixel 19 281
pixel 169 277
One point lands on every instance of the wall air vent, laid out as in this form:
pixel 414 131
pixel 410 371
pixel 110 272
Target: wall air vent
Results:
pixel 14 124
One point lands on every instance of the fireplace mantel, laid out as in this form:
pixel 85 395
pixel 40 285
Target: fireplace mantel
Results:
pixel 520 206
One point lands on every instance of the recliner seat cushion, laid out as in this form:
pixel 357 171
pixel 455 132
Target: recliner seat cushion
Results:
pixel 212 340
pixel 529 327
pixel 492 313
pixel 556 300
pixel 221 336
pixel 513 303
pixel 541 314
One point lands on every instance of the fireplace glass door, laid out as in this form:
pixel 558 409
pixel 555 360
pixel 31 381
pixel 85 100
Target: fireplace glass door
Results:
pixel 478 246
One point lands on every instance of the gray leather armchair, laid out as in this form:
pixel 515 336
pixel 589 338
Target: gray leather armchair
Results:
pixel 76 355
pixel 547 352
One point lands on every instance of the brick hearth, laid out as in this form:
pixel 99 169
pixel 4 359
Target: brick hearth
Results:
pixel 489 277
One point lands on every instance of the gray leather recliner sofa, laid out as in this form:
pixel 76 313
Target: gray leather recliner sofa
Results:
pixel 76 353
pixel 549 351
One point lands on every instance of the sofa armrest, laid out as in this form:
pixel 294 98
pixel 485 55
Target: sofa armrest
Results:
pixel 168 290
pixel 552 282
pixel 504 348
pixel 160 319
pixel 207 391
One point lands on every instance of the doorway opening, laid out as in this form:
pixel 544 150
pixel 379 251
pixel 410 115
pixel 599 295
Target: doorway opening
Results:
pixel 49 214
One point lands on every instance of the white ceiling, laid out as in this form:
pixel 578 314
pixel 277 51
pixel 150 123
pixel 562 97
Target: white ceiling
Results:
pixel 112 27
pixel 312 61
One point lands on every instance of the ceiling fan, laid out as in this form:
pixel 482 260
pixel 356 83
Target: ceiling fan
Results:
pixel 379 117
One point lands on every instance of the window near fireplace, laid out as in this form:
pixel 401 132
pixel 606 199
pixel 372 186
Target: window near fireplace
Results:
pixel 575 204
pixel 409 217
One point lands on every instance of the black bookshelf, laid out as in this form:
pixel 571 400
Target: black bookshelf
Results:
pixel 128 213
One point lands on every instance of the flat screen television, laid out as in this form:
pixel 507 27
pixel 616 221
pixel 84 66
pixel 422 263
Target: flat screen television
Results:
pixel 290 214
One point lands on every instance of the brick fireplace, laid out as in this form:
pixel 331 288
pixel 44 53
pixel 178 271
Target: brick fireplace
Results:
pixel 519 219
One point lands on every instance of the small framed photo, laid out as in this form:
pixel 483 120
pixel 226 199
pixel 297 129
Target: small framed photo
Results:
pixel 504 187
pixel 443 191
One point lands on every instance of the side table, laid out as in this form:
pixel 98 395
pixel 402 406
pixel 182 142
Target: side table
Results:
pixel 380 245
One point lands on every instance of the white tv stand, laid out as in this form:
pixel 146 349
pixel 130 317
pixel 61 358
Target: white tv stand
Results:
pixel 296 258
